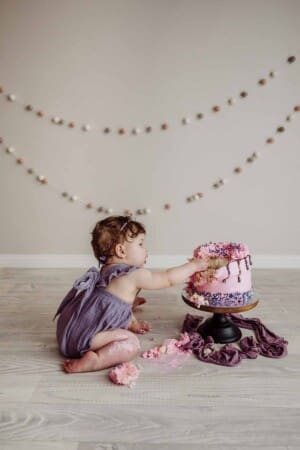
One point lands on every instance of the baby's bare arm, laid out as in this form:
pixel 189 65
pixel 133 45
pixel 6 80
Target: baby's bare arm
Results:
pixel 145 279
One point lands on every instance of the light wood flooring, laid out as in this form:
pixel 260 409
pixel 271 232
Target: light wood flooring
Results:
pixel 192 406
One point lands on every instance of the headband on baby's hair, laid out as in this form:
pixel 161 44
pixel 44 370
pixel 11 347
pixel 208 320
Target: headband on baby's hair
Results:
pixel 125 223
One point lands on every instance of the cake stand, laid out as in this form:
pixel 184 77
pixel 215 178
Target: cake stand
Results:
pixel 222 329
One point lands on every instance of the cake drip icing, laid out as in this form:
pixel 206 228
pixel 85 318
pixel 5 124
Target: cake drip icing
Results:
pixel 248 263
pixel 228 273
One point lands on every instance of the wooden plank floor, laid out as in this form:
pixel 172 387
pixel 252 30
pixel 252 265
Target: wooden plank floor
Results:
pixel 192 406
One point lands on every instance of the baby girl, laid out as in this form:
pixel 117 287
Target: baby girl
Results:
pixel 96 326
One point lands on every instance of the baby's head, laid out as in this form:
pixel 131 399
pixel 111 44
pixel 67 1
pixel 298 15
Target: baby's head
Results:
pixel 119 239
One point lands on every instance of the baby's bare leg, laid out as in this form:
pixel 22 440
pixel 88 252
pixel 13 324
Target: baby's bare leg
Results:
pixel 108 348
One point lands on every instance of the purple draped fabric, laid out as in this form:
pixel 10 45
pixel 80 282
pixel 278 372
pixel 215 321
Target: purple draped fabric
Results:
pixel 267 343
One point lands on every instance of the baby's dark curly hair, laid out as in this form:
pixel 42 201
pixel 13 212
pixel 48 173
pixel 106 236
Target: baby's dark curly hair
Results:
pixel 108 232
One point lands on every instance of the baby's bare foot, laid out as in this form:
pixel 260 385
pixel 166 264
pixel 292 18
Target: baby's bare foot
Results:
pixel 140 327
pixel 87 363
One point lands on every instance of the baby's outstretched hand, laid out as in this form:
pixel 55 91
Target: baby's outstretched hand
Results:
pixel 139 327
pixel 201 265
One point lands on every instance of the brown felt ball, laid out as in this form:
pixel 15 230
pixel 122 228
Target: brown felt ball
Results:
pixel 238 169
pixel 291 59
pixel 262 81
pixel 270 141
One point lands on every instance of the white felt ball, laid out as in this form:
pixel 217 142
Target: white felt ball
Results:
pixel 109 210
pixel 86 127
pixel 290 117
pixel 55 119
pixel 148 210
pixel 11 97
pixel 73 198
pixel 186 120
pixel 273 74
pixel 10 150
pixel 136 131
pixel 231 101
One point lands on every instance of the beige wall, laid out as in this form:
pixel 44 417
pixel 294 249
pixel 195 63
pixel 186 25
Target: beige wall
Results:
pixel 131 63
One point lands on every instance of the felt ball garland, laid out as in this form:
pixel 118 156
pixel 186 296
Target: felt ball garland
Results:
pixel 220 182
pixel 135 131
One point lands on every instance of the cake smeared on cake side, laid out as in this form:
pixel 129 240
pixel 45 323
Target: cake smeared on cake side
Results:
pixel 227 280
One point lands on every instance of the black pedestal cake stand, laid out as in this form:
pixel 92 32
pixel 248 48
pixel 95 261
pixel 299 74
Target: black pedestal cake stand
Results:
pixel 222 329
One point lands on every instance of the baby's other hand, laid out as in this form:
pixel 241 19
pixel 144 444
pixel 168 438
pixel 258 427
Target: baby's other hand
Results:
pixel 139 327
pixel 137 302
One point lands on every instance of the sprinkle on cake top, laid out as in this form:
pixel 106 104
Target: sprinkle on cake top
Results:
pixel 228 250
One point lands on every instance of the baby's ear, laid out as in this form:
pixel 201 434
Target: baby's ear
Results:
pixel 120 251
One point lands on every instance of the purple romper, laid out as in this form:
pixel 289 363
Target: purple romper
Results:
pixel 88 309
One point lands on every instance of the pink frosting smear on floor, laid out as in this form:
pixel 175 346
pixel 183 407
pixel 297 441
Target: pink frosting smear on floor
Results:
pixel 124 374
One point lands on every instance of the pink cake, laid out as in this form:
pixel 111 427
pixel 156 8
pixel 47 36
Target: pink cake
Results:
pixel 227 281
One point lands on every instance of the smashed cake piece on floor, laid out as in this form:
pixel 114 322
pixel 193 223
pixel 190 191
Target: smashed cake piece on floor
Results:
pixel 169 347
pixel 124 374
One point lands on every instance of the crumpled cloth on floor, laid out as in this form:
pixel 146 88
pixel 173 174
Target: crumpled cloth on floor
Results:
pixel 267 342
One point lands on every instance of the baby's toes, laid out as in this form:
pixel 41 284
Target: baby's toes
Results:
pixel 67 365
pixel 146 326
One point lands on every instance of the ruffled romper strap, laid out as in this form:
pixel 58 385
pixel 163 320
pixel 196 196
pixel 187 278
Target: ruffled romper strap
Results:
pixel 86 282
pixel 114 271
pixel 90 280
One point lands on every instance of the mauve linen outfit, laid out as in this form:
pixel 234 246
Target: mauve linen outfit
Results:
pixel 89 308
